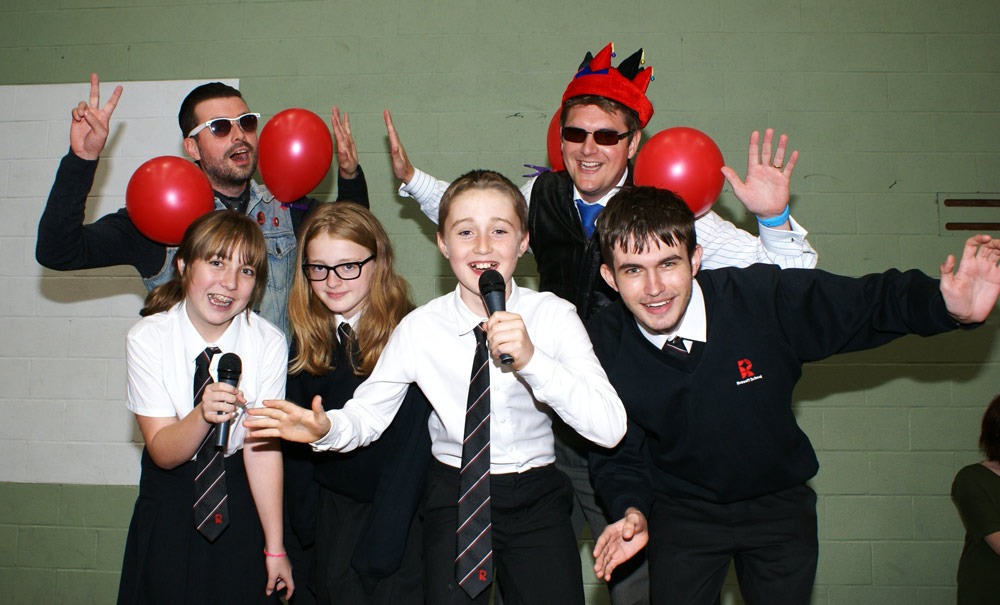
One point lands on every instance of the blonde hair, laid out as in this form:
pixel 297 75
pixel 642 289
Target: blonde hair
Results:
pixel 213 234
pixel 314 325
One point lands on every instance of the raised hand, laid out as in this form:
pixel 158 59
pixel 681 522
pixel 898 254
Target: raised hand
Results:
pixel 402 169
pixel 347 151
pixel 765 193
pixel 88 132
pixel 970 293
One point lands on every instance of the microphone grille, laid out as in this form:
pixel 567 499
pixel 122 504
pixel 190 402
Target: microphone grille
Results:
pixel 231 364
pixel 491 281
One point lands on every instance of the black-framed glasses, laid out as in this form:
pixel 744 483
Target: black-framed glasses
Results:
pixel 607 138
pixel 221 127
pixel 347 271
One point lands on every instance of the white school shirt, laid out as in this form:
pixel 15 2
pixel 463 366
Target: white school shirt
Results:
pixel 160 359
pixel 433 347
pixel 723 244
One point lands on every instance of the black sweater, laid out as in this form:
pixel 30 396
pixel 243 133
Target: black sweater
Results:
pixel 719 426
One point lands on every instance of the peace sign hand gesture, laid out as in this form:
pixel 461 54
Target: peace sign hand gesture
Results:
pixel 88 132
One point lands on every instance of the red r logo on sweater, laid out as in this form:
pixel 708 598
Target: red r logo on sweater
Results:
pixel 744 366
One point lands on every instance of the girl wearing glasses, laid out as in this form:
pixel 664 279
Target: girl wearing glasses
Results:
pixel 358 508
pixel 189 541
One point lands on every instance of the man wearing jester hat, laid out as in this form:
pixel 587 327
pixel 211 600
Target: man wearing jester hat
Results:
pixel 604 110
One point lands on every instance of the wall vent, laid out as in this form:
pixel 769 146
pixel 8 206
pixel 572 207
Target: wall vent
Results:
pixel 969 213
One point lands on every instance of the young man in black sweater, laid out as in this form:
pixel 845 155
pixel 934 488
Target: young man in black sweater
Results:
pixel 713 466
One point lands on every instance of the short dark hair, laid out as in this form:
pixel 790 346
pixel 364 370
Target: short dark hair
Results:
pixel 479 180
pixel 628 114
pixel 989 439
pixel 636 216
pixel 212 90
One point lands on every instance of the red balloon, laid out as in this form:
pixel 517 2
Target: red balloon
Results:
pixel 165 195
pixel 295 153
pixel 685 161
pixel 553 143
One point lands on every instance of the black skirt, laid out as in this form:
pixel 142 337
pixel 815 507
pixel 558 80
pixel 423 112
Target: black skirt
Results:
pixel 166 559
pixel 339 533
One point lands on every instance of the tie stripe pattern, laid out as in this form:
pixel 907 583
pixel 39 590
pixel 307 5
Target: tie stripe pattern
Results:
pixel 676 344
pixel 348 342
pixel 211 512
pixel 474 561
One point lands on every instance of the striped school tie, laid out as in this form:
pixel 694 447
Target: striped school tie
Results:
pixel 474 562
pixel 211 513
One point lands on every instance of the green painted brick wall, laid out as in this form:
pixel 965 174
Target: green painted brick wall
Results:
pixel 890 104
pixel 62 543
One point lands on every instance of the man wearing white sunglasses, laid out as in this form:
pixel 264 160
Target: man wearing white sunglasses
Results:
pixel 220 135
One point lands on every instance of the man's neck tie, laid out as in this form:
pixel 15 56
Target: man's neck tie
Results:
pixel 588 215
pixel 211 513
pixel 676 345
pixel 474 561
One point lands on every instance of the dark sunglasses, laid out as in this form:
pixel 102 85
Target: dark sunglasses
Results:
pixel 221 127
pixel 608 138
pixel 346 271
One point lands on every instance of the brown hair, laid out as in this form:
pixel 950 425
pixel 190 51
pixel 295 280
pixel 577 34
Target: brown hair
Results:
pixel 480 180
pixel 314 326
pixel 637 216
pixel 989 439
pixel 213 234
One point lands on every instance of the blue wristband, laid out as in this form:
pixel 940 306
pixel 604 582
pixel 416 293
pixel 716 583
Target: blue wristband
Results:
pixel 775 221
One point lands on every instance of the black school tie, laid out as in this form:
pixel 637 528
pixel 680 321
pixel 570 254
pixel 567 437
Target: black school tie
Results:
pixel 348 342
pixel 676 346
pixel 211 513
pixel 474 562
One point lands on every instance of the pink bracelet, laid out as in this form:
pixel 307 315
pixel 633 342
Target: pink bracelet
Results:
pixel 267 554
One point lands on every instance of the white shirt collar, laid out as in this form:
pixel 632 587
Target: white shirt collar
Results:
pixel 604 200
pixel 466 321
pixel 353 321
pixel 194 344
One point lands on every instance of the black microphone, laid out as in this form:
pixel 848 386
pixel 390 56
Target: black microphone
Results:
pixel 230 368
pixel 493 289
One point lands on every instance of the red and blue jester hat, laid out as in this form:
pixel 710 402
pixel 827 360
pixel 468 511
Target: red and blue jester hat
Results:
pixel 627 84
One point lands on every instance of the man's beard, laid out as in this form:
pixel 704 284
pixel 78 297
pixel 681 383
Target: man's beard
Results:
pixel 224 174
